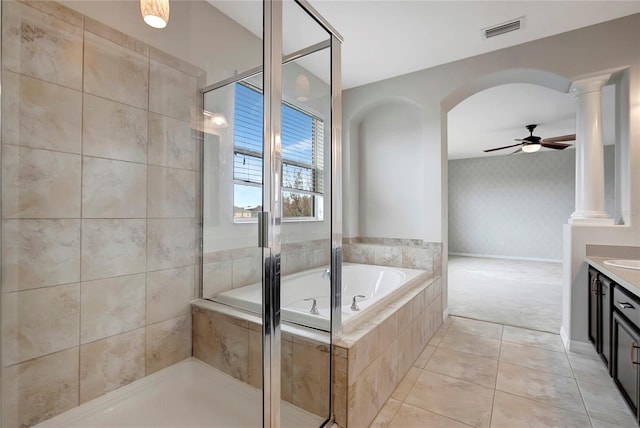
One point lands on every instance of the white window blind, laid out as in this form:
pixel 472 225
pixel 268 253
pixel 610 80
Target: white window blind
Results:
pixel 302 151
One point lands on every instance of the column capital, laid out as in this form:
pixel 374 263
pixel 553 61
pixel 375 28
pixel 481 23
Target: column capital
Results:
pixel 589 84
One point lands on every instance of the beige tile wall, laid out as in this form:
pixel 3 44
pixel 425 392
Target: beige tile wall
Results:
pixel 405 253
pixel 99 228
pixel 370 361
pixel 228 269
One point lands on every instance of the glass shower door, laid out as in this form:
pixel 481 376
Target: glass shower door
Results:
pixel 306 213
pixel 273 163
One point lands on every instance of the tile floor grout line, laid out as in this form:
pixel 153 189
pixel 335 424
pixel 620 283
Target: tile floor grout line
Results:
pixel 429 371
pixel 495 383
pixel 535 346
pixel 571 375
pixel 537 400
pixel 507 324
pixel 584 403
pixel 545 404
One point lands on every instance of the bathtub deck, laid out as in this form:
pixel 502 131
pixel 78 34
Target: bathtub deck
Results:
pixel 187 394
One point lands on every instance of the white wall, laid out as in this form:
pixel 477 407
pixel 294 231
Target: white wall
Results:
pixel 553 62
pixel 515 206
pixel 391 175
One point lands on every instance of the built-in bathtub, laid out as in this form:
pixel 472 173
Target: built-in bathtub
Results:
pixel 401 311
pixel 376 285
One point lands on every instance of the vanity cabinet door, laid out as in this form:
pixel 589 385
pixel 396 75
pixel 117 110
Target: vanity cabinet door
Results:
pixel 626 372
pixel 605 294
pixel 593 307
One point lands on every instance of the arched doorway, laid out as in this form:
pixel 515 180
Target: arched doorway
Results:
pixel 485 207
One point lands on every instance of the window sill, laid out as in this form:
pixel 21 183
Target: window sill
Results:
pixel 285 220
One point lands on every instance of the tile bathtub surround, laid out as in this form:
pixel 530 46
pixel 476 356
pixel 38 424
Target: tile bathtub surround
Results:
pixel 99 226
pixel 405 253
pixel 228 269
pixel 454 388
pixel 370 361
pixel 233 345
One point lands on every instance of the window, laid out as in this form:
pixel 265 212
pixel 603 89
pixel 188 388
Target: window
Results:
pixel 302 159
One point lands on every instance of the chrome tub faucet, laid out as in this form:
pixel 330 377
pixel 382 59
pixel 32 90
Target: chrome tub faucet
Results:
pixel 314 307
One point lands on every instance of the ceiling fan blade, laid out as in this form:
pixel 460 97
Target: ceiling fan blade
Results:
pixel 501 148
pixel 516 152
pixel 571 137
pixel 557 146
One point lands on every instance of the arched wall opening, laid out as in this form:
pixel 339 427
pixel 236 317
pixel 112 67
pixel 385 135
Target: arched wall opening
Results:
pixel 572 274
pixel 380 176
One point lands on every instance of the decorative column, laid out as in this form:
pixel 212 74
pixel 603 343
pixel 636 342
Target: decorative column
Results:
pixel 589 153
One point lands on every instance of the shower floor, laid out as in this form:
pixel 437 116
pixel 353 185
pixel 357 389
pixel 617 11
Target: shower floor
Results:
pixel 187 394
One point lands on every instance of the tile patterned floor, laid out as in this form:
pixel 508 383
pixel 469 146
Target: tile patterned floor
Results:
pixel 481 374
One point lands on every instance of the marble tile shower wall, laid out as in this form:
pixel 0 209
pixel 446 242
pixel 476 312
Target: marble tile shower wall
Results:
pixel 404 253
pixel 228 269
pixel 99 227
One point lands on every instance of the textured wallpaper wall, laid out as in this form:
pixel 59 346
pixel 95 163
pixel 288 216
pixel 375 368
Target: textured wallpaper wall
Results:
pixel 515 206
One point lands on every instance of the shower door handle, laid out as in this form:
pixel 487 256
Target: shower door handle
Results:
pixel 263 229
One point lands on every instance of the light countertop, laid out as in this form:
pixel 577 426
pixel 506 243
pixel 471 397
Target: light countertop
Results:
pixel 627 278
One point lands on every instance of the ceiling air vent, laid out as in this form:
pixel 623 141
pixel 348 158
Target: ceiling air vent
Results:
pixel 502 28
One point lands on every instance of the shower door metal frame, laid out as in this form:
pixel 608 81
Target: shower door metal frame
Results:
pixel 271 217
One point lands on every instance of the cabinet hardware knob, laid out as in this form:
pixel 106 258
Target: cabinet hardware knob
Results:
pixel 634 346
pixel 625 305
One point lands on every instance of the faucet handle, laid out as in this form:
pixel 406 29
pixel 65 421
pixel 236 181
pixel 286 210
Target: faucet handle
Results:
pixel 353 306
pixel 314 307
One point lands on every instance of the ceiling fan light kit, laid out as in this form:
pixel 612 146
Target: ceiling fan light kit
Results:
pixel 531 147
pixel 533 143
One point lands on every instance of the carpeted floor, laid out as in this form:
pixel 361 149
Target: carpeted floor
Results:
pixel 513 292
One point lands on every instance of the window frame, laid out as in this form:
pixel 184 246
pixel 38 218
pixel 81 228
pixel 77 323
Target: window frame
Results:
pixel 316 167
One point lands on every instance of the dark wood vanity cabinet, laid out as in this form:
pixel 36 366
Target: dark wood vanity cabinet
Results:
pixel 625 370
pixel 600 301
pixel 614 329
pixel 605 300
pixel 593 307
pixel 625 341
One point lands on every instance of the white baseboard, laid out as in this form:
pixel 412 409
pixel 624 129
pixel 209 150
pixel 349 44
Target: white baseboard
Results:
pixel 445 313
pixel 574 345
pixel 565 339
pixel 492 256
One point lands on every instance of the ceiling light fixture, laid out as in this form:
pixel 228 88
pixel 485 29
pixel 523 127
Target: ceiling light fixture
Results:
pixel 216 120
pixel 531 147
pixel 155 12
pixel 302 88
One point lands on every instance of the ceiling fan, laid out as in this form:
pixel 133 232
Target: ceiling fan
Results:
pixel 533 143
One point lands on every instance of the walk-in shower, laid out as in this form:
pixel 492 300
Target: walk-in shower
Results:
pixel 144 172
